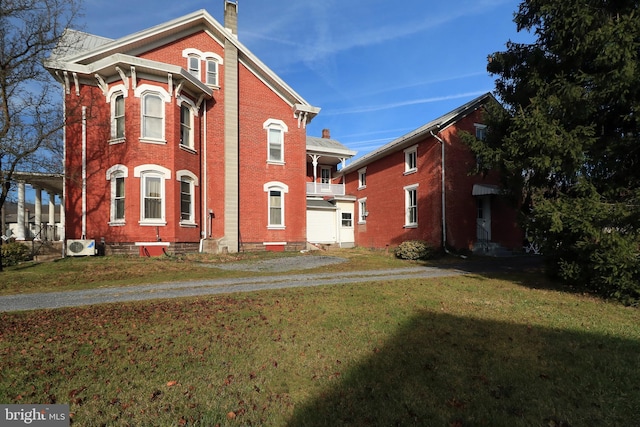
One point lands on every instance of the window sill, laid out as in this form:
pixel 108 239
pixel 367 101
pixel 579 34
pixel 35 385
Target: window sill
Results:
pixel 276 227
pixel 152 223
pixel 116 223
pixel 276 162
pixel 362 222
pixel 115 141
pixel 410 171
pixel 362 187
pixel 188 224
pixel 153 141
pixel 411 226
pixel 188 149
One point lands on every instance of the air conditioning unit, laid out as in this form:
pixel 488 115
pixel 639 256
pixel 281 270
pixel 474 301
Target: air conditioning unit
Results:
pixel 81 247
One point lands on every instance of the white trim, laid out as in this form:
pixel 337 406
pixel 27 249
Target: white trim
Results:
pixel 152 244
pixel 186 173
pixel 362 172
pixel 139 170
pixel 116 88
pixel 407 189
pixel 274 243
pixel 364 214
pixel 140 90
pixel 117 168
pixel 407 152
pixel 284 189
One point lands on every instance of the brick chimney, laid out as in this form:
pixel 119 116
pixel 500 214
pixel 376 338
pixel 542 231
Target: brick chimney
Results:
pixel 326 133
pixel 231 16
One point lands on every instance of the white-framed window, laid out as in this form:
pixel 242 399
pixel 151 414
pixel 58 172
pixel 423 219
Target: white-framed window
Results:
pixel 411 205
pixel 347 219
pixel 116 98
pixel 325 174
pixel 275 140
pixel 363 213
pixel 193 66
pixel 276 204
pixel 116 175
pixel 411 159
pixel 362 178
pixel 188 181
pixel 152 193
pixel 212 72
pixel 481 131
pixel 186 126
pixel 152 100
pixel 212 61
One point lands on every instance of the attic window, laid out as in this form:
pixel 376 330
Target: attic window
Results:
pixel 194 66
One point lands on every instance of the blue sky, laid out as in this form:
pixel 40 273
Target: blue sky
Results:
pixel 378 69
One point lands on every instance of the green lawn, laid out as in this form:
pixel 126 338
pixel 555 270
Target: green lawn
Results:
pixel 483 350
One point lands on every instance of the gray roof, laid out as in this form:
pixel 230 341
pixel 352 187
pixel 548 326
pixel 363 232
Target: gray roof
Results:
pixel 326 145
pixel 320 204
pixel 75 42
pixel 411 138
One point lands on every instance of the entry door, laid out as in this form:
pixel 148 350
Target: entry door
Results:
pixel 483 218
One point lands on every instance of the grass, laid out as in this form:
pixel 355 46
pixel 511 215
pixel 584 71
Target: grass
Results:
pixel 482 350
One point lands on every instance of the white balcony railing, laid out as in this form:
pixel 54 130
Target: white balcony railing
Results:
pixel 325 189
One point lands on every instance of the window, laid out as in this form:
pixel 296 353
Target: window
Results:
pixel 186 204
pixel 275 208
pixel 117 117
pixel 152 193
pixel 325 175
pixel 152 206
pixel 347 221
pixel 188 181
pixel 411 159
pixel 362 211
pixel 411 204
pixel 275 145
pixel 186 122
pixel 117 174
pixel 362 178
pixel 275 140
pixel 152 116
pixel 194 66
pixel 212 72
pixel 211 61
pixel 152 101
pixel 481 131
pixel 275 201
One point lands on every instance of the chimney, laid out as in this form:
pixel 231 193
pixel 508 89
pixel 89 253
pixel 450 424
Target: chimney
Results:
pixel 326 133
pixel 231 16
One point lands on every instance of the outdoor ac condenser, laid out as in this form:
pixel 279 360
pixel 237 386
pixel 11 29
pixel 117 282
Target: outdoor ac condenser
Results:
pixel 81 247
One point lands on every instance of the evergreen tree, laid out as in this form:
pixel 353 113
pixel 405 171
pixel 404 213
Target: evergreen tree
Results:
pixel 568 137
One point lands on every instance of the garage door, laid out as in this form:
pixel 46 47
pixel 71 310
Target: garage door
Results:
pixel 321 226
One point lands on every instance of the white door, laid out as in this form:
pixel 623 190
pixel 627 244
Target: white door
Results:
pixel 483 218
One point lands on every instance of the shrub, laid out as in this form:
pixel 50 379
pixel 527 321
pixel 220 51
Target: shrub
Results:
pixel 414 249
pixel 14 253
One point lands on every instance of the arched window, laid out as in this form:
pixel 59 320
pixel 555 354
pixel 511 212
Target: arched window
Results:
pixel 275 204
pixel 275 140
pixel 117 174
pixel 152 193
pixel 188 181
pixel 152 100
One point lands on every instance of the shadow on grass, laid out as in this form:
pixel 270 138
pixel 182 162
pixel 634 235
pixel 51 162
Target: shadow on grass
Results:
pixel 444 370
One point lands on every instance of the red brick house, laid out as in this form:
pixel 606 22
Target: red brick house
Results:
pixel 419 187
pixel 178 138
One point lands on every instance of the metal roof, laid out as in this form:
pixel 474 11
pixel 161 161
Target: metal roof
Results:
pixel 421 132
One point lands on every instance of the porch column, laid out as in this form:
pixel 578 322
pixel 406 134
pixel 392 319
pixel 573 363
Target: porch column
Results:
pixel 62 220
pixel 51 232
pixel 20 234
pixel 38 219
pixel 343 161
pixel 314 162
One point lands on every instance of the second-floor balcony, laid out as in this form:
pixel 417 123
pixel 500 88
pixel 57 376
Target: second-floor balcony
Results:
pixel 319 188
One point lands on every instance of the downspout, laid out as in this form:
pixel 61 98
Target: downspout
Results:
pixel 84 172
pixel 203 177
pixel 444 209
